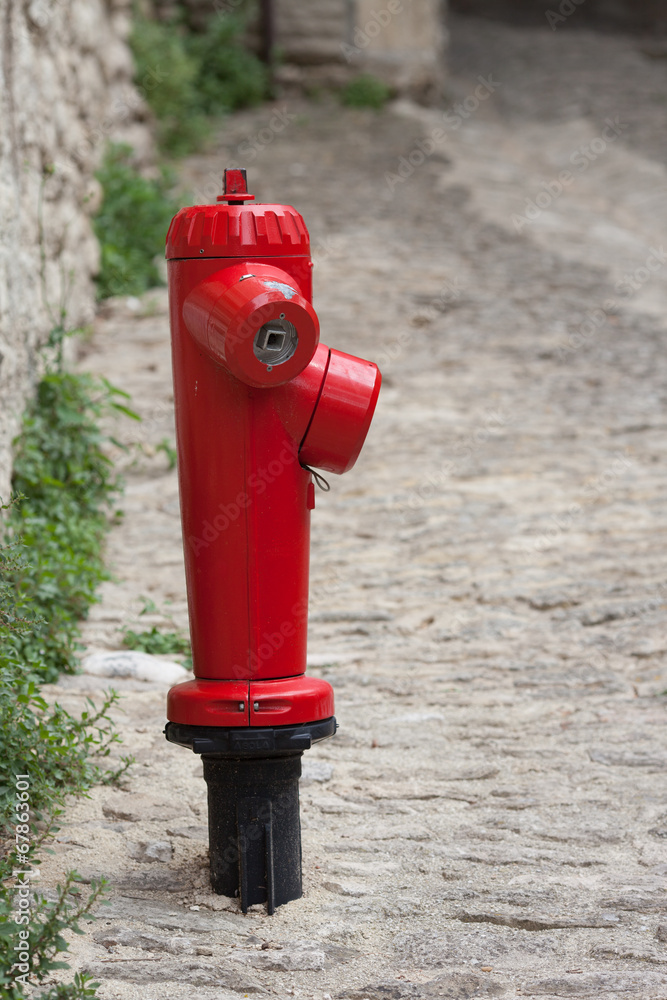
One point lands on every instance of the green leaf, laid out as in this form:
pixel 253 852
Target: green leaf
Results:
pixel 126 410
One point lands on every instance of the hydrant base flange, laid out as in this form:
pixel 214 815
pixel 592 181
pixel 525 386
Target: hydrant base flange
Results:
pixel 254 828
pixel 250 741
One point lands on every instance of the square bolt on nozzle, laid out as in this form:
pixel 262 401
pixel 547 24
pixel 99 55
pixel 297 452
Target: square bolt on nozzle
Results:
pixel 271 338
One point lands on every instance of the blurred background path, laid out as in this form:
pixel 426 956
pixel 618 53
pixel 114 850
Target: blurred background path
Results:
pixel 488 584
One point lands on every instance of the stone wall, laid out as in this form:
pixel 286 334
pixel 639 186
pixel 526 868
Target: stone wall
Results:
pixel 326 42
pixel 65 87
pixel 323 43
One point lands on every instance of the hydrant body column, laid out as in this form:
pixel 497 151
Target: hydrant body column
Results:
pixel 245 507
pixel 258 402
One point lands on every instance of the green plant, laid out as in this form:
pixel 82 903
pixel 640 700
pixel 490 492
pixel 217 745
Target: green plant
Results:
pixel 51 540
pixel 131 224
pixel 68 485
pixel 62 754
pixel 170 452
pixel 168 73
pixel 154 641
pixel 44 941
pixel 187 76
pixel 366 91
pixel 229 76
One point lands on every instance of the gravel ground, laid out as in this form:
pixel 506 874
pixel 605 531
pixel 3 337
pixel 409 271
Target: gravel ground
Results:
pixel 488 584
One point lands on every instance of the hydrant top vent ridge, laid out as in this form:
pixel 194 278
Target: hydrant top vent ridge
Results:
pixel 237 231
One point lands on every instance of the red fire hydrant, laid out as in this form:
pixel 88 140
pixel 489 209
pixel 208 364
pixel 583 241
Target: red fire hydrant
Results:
pixel 259 402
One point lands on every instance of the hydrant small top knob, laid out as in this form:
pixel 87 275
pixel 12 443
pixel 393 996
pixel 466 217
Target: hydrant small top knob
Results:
pixel 235 187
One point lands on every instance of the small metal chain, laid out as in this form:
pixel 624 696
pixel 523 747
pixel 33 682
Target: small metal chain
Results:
pixel 319 479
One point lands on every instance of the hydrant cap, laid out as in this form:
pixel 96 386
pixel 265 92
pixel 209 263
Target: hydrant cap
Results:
pixel 343 415
pixel 237 231
pixel 252 319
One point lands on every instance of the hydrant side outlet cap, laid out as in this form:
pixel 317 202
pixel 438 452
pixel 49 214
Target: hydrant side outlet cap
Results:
pixel 343 414
pixel 237 231
pixel 257 325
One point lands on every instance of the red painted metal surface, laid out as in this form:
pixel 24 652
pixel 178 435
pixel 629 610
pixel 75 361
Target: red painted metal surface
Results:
pixel 209 703
pixel 343 415
pixel 235 188
pixel 237 231
pixel 282 702
pixel 245 429
pixel 290 701
pixel 224 311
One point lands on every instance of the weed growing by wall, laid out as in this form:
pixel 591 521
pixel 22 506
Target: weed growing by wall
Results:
pixel 167 74
pixel 187 76
pixel 131 224
pixel 229 76
pixel 46 753
pixel 366 91
pixel 156 641
pixel 68 485
pixel 50 564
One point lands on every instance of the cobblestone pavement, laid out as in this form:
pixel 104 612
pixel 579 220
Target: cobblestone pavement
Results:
pixel 488 584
